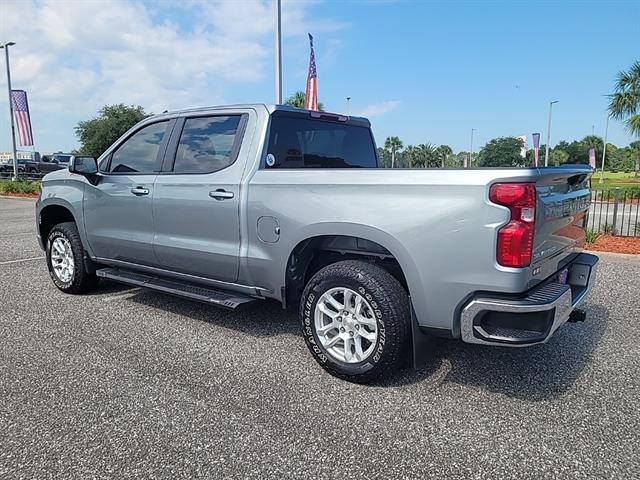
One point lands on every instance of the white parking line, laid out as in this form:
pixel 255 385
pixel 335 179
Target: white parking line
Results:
pixel 21 260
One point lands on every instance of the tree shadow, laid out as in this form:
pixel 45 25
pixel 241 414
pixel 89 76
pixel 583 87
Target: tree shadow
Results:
pixel 541 372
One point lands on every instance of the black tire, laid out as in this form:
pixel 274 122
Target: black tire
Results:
pixel 81 281
pixel 390 304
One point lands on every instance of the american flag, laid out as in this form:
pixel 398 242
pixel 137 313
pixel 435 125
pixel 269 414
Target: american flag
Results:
pixel 21 114
pixel 311 102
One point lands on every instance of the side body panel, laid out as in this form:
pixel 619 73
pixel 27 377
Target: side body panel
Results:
pixel 438 224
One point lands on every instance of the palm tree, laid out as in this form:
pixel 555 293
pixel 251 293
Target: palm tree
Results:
pixel 443 152
pixel 393 145
pixel 298 100
pixel 427 154
pixel 635 148
pixel 625 103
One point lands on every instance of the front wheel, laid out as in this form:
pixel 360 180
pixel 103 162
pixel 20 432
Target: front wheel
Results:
pixel 355 320
pixel 65 260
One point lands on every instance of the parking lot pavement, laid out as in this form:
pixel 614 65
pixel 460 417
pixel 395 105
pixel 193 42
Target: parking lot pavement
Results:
pixel 128 383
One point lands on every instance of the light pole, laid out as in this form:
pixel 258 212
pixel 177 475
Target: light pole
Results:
pixel 471 147
pixel 546 151
pixel 278 30
pixel 348 102
pixel 604 149
pixel 13 126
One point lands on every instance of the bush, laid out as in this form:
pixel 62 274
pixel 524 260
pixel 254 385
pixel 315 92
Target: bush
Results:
pixel 19 186
pixel 608 229
pixel 591 236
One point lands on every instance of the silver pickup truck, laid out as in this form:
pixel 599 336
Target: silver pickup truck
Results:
pixel 236 204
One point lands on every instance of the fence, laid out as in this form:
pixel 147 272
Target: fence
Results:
pixel 7 174
pixel 615 212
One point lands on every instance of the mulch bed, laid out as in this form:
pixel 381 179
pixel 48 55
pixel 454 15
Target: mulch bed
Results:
pixel 609 243
pixel 21 195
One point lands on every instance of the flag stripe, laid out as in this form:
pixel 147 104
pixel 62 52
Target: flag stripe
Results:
pixel 311 98
pixel 20 107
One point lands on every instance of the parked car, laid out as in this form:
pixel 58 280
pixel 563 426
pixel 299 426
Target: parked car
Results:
pixel 49 163
pixel 23 166
pixel 233 205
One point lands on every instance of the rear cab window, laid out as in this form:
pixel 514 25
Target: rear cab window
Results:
pixel 298 140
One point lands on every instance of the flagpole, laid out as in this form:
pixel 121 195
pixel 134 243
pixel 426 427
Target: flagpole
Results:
pixel 278 30
pixel 13 127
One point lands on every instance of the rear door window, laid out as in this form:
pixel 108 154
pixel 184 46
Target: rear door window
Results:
pixel 297 142
pixel 208 144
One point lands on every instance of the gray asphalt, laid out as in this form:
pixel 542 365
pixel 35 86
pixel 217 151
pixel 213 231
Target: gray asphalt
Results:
pixel 126 383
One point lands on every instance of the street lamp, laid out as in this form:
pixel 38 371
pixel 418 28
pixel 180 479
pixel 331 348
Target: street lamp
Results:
pixel 546 152
pixel 13 126
pixel 348 102
pixel 278 45
pixel 471 147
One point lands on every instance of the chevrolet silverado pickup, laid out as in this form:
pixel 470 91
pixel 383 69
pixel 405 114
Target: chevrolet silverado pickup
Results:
pixel 231 205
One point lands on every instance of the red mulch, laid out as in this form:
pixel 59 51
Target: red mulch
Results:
pixel 22 195
pixel 608 243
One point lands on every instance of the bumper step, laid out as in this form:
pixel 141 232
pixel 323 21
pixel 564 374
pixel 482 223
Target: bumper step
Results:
pixel 192 291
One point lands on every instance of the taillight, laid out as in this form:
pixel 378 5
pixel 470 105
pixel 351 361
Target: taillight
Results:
pixel 515 239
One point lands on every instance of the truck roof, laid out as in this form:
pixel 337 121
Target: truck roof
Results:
pixel 270 107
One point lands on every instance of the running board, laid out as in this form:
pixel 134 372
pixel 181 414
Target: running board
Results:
pixel 193 291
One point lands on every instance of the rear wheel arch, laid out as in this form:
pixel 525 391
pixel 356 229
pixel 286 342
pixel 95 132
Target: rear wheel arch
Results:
pixel 314 253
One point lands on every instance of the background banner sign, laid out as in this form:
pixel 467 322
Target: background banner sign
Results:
pixel 592 157
pixel 536 148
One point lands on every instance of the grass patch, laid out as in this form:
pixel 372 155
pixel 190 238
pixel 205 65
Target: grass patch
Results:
pixel 19 186
pixel 626 180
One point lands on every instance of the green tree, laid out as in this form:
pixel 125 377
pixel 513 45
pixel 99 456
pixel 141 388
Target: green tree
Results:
pixel 393 145
pixel 625 102
pixel 98 134
pixel 443 152
pixel 501 152
pixel 299 100
pixel 558 157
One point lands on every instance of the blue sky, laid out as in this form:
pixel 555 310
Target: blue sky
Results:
pixel 424 71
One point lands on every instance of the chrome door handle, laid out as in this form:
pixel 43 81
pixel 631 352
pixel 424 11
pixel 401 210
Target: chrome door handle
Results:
pixel 220 194
pixel 140 191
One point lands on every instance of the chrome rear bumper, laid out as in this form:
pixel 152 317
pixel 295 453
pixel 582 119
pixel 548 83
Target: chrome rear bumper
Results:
pixel 533 318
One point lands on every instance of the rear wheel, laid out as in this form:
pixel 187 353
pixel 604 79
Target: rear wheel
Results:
pixel 65 260
pixel 355 319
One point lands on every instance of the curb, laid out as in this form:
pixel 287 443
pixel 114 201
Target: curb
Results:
pixel 629 257
pixel 11 197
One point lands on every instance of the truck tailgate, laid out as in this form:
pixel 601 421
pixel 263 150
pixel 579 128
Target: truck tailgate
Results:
pixel 563 203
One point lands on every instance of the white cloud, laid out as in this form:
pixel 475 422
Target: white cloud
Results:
pixel 376 109
pixel 79 55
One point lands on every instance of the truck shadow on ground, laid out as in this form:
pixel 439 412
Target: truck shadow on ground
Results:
pixel 541 372
pixel 260 319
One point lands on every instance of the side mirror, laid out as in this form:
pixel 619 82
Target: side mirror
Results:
pixel 83 165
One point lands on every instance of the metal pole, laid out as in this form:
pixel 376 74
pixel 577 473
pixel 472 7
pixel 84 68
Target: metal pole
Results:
pixel 546 152
pixel 471 147
pixel 278 30
pixel 13 127
pixel 604 149
pixel 348 103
